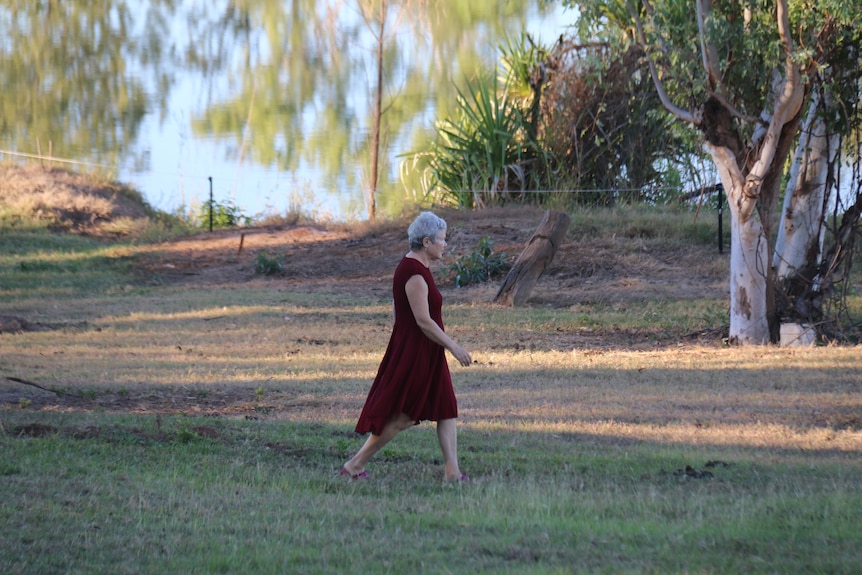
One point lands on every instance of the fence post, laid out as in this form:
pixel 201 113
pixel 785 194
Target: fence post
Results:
pixel 211 203
pixel 720 188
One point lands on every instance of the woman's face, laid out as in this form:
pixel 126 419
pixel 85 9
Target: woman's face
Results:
pixel 434 248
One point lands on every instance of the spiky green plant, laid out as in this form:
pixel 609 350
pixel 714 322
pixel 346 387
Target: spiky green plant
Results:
pixel 483 154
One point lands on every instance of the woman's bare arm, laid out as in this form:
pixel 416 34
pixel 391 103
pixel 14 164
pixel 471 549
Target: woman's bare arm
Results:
pixel 417 294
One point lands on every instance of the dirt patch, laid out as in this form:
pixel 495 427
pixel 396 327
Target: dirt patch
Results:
pixel 359 259
pixel 14 324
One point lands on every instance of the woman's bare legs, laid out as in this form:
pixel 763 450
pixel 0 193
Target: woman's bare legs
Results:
pixel 447 434
pixel 375 443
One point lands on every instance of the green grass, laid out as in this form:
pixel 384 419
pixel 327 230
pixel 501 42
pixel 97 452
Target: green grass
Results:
pixel 37 263
pixel 108 494
pixel 203 428
pixel 656 223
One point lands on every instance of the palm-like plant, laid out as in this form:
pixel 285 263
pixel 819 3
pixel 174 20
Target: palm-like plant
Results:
pixel 484 154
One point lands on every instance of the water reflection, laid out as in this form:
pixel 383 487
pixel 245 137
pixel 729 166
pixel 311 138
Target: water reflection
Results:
pixel 270 99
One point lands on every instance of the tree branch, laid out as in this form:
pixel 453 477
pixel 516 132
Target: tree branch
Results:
pixel 709 55
pixel 734 112
pixel 708 52
pixel 680 113
pixel 787 103
pixel 36 385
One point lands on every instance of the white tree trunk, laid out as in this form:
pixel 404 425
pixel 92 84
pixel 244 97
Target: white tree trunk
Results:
pixel 801 234
pixel 749 321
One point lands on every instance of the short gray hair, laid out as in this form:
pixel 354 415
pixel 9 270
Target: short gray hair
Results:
pixel 426 225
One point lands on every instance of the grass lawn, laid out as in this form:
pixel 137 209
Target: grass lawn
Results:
pixel 95 493
pixel 199 429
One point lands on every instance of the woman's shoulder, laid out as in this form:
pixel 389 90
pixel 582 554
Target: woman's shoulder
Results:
pixel 411 264
pixel 409 267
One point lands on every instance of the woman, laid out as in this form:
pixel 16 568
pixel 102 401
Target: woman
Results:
pixel 413 382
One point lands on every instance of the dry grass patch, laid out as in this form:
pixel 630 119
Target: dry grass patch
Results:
pixel 69 200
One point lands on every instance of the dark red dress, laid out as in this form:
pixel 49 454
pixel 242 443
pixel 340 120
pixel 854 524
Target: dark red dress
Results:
pixel 413 377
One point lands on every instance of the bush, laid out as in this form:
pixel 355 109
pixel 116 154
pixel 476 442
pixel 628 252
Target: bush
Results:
pixel 479 266
pixel 223 216
pixel 268 265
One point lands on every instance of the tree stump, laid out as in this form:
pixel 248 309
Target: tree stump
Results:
pixel 536 257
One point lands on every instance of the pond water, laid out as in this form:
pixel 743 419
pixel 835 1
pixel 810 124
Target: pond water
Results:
pixel 266 104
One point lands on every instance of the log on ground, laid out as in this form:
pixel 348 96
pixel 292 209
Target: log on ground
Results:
pixel 534 260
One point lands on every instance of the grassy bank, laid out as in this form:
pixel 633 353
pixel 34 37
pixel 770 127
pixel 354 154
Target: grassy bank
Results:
pixel 197 428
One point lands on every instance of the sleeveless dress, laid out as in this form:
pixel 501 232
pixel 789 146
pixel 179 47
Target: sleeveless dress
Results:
pixel 413 377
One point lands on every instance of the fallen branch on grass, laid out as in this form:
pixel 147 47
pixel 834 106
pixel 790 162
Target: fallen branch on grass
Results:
pixel 25 382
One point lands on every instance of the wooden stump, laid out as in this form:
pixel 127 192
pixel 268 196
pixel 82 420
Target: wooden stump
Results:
pixel 533 261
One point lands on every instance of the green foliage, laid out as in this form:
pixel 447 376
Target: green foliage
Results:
pixel 268 264
pixel 608 131
pixel 558 121
pixel 488 151
pixel 225 215
pixel 480 265
pixel 185 434
pixel 747 49
pixel 480 154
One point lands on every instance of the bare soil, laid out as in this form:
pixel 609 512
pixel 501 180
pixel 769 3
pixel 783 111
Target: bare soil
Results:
pixel 360 258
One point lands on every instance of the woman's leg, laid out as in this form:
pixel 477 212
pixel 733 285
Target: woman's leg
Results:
pixel 375 443
pixel 447 434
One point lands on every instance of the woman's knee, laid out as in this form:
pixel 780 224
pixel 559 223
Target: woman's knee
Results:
pixel 403 421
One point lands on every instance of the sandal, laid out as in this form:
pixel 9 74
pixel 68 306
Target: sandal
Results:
pixel 463 479
pixel 344 473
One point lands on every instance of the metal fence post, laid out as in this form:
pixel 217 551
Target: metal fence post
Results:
pixel 720 188
pixel 211 203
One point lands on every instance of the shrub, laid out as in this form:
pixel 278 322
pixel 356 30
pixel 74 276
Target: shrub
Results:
pixel 268 264
pixel 223 215
pixel 480 265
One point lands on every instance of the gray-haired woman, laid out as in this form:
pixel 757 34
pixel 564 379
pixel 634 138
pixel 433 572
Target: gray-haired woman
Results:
pixel 413 381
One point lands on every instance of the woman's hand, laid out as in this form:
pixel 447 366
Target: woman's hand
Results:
pixel 461 354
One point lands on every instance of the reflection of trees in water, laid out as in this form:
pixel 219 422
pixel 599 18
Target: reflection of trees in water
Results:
pixel 287 83
pixel 308 69
pixel 75 74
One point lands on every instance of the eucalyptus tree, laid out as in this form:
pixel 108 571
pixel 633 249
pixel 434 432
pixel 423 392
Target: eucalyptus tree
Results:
pixel 746 75
pixel 79 76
